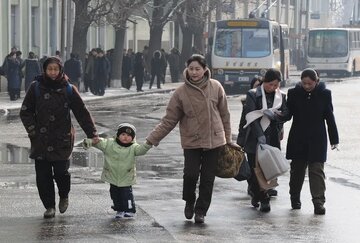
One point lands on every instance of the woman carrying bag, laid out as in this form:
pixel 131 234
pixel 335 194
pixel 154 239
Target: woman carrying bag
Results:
pixel 260 108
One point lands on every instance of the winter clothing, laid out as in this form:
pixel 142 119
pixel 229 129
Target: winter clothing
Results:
pixel 73 70
pixel 157 65
pixel 102 71
pixel 127 128
pixel 45 114
pixel 203 116
pixel 261 129
pixel 309 110
pixel 13 75
pixel 307 141
pixel 174 64
pixel 201 110
pixel 139 71
pixel 32 69
pixel 119 167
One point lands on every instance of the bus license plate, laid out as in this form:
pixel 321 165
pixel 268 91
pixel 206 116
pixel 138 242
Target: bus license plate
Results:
pixel 244 79
pixel 229 82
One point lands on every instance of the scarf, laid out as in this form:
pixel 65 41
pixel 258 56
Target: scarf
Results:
pixel 200 83
pixel 265 121
pixel 123 144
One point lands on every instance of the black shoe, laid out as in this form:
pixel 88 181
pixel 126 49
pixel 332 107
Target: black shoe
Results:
pixel 255 202
pixel 189 210
pixel 63 204
pixel 295 203
pixel 272 192
pixel 49 213
pixel 265 207
pixel 199 218
pixel 319 209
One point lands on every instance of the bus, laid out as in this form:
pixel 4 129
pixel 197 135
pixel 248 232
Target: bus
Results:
pixel 245 48
pixel 333 51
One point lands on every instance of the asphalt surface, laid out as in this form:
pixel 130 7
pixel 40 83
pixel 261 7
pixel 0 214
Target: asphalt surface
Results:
pixel 159 205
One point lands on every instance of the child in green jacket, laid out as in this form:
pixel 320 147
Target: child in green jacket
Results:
pixel 119 166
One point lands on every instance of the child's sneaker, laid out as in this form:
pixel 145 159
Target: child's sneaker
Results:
pixel 129 215
pixel 119 215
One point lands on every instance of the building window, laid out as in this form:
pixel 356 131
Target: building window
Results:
pixel 15 26
pixel 35 27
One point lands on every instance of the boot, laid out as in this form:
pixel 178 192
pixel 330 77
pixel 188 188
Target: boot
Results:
pixel 265 206
pixel 189 210
pixel 295 202
pixel 63 204
pixel 49 213
pixel 319 209
pixel 199 218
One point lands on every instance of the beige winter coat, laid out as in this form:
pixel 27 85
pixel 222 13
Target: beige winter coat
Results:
pixel 203 116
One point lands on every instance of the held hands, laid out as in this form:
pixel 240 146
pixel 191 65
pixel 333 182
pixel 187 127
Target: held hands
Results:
pixel 88 142
pixel 269 114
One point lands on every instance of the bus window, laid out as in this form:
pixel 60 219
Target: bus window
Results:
pixel 256 42
pixel 327 43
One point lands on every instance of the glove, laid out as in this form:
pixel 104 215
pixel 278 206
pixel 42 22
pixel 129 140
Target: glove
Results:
pixel 261 139
pixel 87 143
pixel 335 146
pixel 270 114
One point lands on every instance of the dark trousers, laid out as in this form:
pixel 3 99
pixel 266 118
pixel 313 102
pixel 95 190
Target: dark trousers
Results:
pixel 199 162
pixel 316 180
pixel 259 195
pixel 158 80
pixel 123 198
pixel 46 172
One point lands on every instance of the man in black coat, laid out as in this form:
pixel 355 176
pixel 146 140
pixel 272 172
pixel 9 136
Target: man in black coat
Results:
pixel 310 106
pixel 73 69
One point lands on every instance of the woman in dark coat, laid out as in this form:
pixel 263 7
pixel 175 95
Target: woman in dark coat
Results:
pixel 32 69
pixel 267 93
pixel 156 69
pixel 310 105
pixel 13 75
pixel 45 114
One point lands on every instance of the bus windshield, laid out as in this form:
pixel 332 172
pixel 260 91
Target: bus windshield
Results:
pixel 327 43
pixel 242 42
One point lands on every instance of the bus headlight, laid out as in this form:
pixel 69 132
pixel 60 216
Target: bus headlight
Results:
pixel 220 71
pixel 262 72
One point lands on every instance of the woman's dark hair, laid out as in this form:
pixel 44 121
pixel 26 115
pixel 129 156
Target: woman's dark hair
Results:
pixel 198 58
pixel 271 75
pixel 310 73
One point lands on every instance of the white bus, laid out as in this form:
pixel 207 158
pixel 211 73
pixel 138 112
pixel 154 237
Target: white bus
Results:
pixel 333 51
pixel 245 48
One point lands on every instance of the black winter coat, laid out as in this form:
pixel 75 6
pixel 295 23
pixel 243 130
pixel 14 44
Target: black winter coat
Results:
pixel 309 110
pixel 274 130
pixel 45 114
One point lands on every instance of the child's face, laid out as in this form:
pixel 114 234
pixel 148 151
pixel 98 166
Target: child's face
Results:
pixel 52 70
pixel 125 138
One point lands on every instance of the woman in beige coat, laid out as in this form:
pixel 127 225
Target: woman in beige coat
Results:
pixel 200 107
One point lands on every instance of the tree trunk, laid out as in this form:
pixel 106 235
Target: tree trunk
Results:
pixel 118 57
pixel 199 42
pixel 186 51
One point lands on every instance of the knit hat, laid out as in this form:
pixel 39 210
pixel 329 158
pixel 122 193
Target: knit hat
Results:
pixel 127 128
pixel 53 60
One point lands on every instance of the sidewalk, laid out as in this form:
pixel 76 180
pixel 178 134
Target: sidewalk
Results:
pixel 11 107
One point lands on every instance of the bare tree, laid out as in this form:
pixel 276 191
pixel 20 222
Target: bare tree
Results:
pixel 162 12
pixel 120 14
pixel 86 12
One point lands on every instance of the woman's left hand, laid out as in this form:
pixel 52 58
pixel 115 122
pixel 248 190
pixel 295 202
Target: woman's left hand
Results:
pixel 234 145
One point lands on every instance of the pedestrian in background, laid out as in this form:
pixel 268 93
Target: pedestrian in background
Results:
pixel 310 106
pixel 32 69
pixel 13 75
pixel 90 70
pixel 139 71
pixel 101 72
pixel 156 69
pixel 200 107
pixel 174 64
pixel 45 114
pixel 119 166
pixel 264 129
pixel 73 69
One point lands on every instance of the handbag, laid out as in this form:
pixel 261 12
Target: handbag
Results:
pixel 229 161
pixel 244 172
pixel 264 184
pixel 271 161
